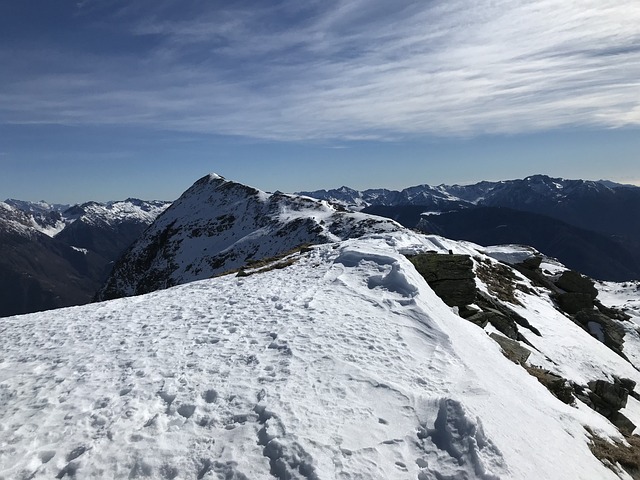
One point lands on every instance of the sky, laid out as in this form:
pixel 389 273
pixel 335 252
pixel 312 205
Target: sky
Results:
pixel 108 99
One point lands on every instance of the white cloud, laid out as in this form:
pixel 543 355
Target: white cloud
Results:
pixel 354 69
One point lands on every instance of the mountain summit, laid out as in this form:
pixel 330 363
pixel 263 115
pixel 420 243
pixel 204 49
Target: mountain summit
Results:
pixel 219 225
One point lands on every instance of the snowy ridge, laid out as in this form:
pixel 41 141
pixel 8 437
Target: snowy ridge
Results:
pixel 51 219
pixel 344 364
pixel 44 217
pixel 218 225
pixel 14 220
pixel 109 213
pixel 531 189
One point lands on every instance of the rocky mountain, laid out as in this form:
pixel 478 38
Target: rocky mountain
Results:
pixel 109 228
pixel 219 225
pixel 55 256
pixel 600 207
pixel 38 272
pixel 44 217
pixel 391 355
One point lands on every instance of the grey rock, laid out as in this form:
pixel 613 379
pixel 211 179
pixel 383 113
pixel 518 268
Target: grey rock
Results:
pixel 511 349
pixel 574 282
pixel 450 276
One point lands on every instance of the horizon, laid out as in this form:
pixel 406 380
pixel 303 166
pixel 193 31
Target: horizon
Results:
pixel 302 190
pixel 104 100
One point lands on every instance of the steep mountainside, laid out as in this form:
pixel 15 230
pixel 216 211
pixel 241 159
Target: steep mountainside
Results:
pixel 108 229
pixel 44 217
pixel 52 256
pixel 218 225
pixel 38 272
pixel 381 357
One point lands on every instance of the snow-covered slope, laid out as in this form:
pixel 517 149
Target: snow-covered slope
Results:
pixel 44 217
pixel 344 364
pixel 51 219
pixel 218 225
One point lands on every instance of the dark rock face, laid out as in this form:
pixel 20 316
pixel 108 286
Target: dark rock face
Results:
pixel 573 282
pixel 607 398
pixel 573 302
pixel 559 387
pixel 450 276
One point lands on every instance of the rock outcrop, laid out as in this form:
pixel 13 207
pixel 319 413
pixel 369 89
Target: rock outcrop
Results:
pixel 450 276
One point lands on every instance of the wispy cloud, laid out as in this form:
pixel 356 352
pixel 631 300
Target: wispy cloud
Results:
pixel 342 69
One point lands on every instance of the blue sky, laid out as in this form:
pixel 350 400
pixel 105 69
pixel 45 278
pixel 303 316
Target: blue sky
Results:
pixel 104 99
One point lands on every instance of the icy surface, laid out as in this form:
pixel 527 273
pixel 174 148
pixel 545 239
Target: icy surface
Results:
pixel 343 365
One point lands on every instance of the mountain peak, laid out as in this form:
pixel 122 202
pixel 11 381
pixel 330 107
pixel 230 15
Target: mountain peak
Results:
pixel 218 225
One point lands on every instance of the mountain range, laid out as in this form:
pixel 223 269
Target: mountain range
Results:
pixel 57 255
pixel 290 338
pixel 605 217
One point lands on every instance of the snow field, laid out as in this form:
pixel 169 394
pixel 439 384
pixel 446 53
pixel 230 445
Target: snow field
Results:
pixel 344 365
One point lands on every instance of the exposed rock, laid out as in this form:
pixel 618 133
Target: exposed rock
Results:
pixel 573 282
pixel 500 280
pixel 625 425
pixel 488 304
pixel 602 327
pixel 573 302
pixel 512 350
pixel 450 276
pixel 607 398
pixel 481 319
pixel 531 263
pixel 612 313
pixel 558 386
pixel 501 323
pixel 466 311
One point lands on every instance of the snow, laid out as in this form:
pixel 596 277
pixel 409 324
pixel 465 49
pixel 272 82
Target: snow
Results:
pixel 14 220
pixel 342 365
pixel 219 225
pixel 120 211
pixel 511 254
pixel 625 296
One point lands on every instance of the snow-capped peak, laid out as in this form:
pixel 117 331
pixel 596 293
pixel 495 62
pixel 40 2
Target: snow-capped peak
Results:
pixel 218 225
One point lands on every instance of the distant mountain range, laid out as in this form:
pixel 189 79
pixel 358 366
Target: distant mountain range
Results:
pixel 603 217
pixel 56 255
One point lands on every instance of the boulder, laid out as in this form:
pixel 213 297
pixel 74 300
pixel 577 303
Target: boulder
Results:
pixel 450 276
pixel 531 263
pixel 609 397
pixel 573 282
pixel 557 385
pixel 573 302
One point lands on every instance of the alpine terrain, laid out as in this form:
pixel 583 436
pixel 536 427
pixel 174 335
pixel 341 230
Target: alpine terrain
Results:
pixel 56 255
pixel 328 344
pixel 592 226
